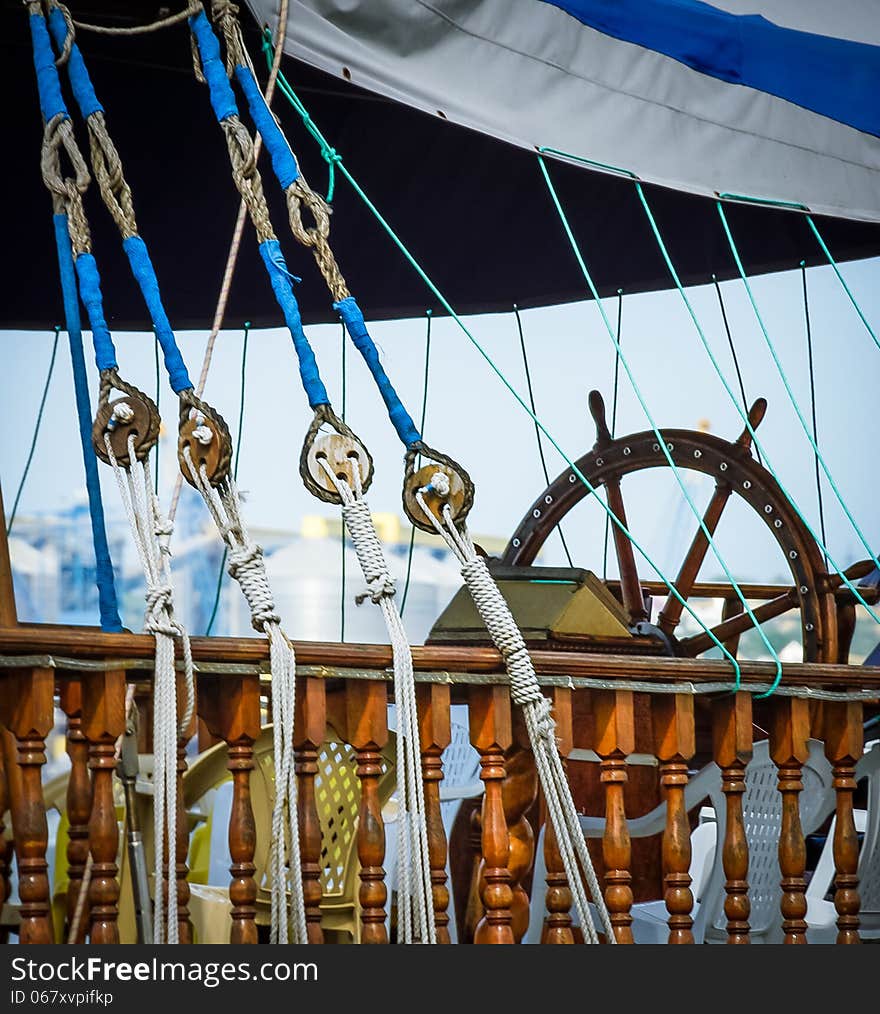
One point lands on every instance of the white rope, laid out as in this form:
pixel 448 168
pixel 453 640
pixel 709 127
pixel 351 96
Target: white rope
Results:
pixel 526 692
pixel 247 567
pixel 151 532
pixel 415 907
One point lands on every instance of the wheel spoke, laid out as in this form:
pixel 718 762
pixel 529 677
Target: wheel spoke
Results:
pixel 670 614
pixel 739 624
pixel 630 586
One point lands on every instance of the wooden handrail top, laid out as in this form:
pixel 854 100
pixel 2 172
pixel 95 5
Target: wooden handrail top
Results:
pixel 128 649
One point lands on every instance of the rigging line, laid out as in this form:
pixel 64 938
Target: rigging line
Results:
pixel 742 386
pixel 30 457
pixel 522 345
pixel 288 92
pixel 743 415
pixel 789 391
pixel 613 420
pixel 234 244
pixel 840 277
pixel 412 533
pixel 244 350
pixel 809 333
pixel 342 524
pixel 662 443
pixel 158 396
pixel 153 26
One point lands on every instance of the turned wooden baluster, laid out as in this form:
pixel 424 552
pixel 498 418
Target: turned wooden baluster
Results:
pixel 519 791
pixel 732 745
pixel 492 734
pixel 435 734
pixel 361 711
pixel 789 733
pixel 79 803
pixel 310 724
pixel 181 871
pixel 103 721
pixel 5 845
pixel 230 709
pixel 844 741
pixel 614 717
pixel 673 721
pixel 28 713
pixel 557 924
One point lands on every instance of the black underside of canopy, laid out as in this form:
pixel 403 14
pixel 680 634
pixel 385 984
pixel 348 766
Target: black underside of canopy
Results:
pixel 474 211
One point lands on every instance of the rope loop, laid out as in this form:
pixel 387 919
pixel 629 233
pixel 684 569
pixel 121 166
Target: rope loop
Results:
pixel 67 191
pixel 107 167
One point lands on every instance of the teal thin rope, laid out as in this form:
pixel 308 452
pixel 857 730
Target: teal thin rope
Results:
pixel 528 373
pixel 285 88
pixel 791 395
pixel 30 457
pixel 342 529
pixel 412 533
pixel 661 442
pixel 220 576
pixel 613 420
pixel 840 277
pixel 743 415
pixel 808 328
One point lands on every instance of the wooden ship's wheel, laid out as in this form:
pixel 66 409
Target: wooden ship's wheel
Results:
pixel 736 473
pixel 549 620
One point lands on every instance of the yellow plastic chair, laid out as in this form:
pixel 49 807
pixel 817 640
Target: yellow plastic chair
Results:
pixel 337 796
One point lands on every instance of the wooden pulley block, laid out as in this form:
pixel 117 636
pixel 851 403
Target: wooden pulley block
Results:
pixel 132 415
pixel 343 455
pixel 434 499
pixel 208 444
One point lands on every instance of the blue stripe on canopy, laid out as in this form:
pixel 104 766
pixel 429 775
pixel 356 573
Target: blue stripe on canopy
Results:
pixel 834 77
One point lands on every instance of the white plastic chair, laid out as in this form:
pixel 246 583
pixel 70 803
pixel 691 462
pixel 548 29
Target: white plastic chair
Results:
pixel 821 913
pixel 762 812
pixel 461 770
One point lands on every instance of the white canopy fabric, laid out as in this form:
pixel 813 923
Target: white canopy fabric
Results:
pixel 567 75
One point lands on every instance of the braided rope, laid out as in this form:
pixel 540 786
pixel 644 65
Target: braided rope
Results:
pixel 415 907
pixel 151 533
pixel 247 567
pixel 525 691
pixel 67 191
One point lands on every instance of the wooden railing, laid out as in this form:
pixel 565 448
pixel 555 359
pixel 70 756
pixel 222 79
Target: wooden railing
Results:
pixel 346 687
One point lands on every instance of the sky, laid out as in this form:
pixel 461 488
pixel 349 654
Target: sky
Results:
pixel 474 418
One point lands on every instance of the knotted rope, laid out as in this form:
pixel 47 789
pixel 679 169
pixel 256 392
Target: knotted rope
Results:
pixel 151 532
pixel 526 692
pixel 247 567
pixel 415 909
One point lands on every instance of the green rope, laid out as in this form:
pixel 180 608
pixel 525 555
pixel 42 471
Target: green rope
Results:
pixel 522 345
pixel 30 457
pixel 729 333
pixel 809 333
pixel 287 91
pixel 759 447
pixel 222 574
pixel 789 391
pixel 846 288
pixel 412 532
pixel 613 420
pixel 662 443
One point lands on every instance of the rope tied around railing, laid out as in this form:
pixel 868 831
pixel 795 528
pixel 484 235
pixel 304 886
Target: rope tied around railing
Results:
pixel 525 691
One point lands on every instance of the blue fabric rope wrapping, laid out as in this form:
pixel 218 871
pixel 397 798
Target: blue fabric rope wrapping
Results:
pixel 107 605
pixel 48 84
pixel 145 275
pixel 80 81
pixel 90 294
pixel 282 286
pixel 357 329
pixel 283 161
pixel 222 97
